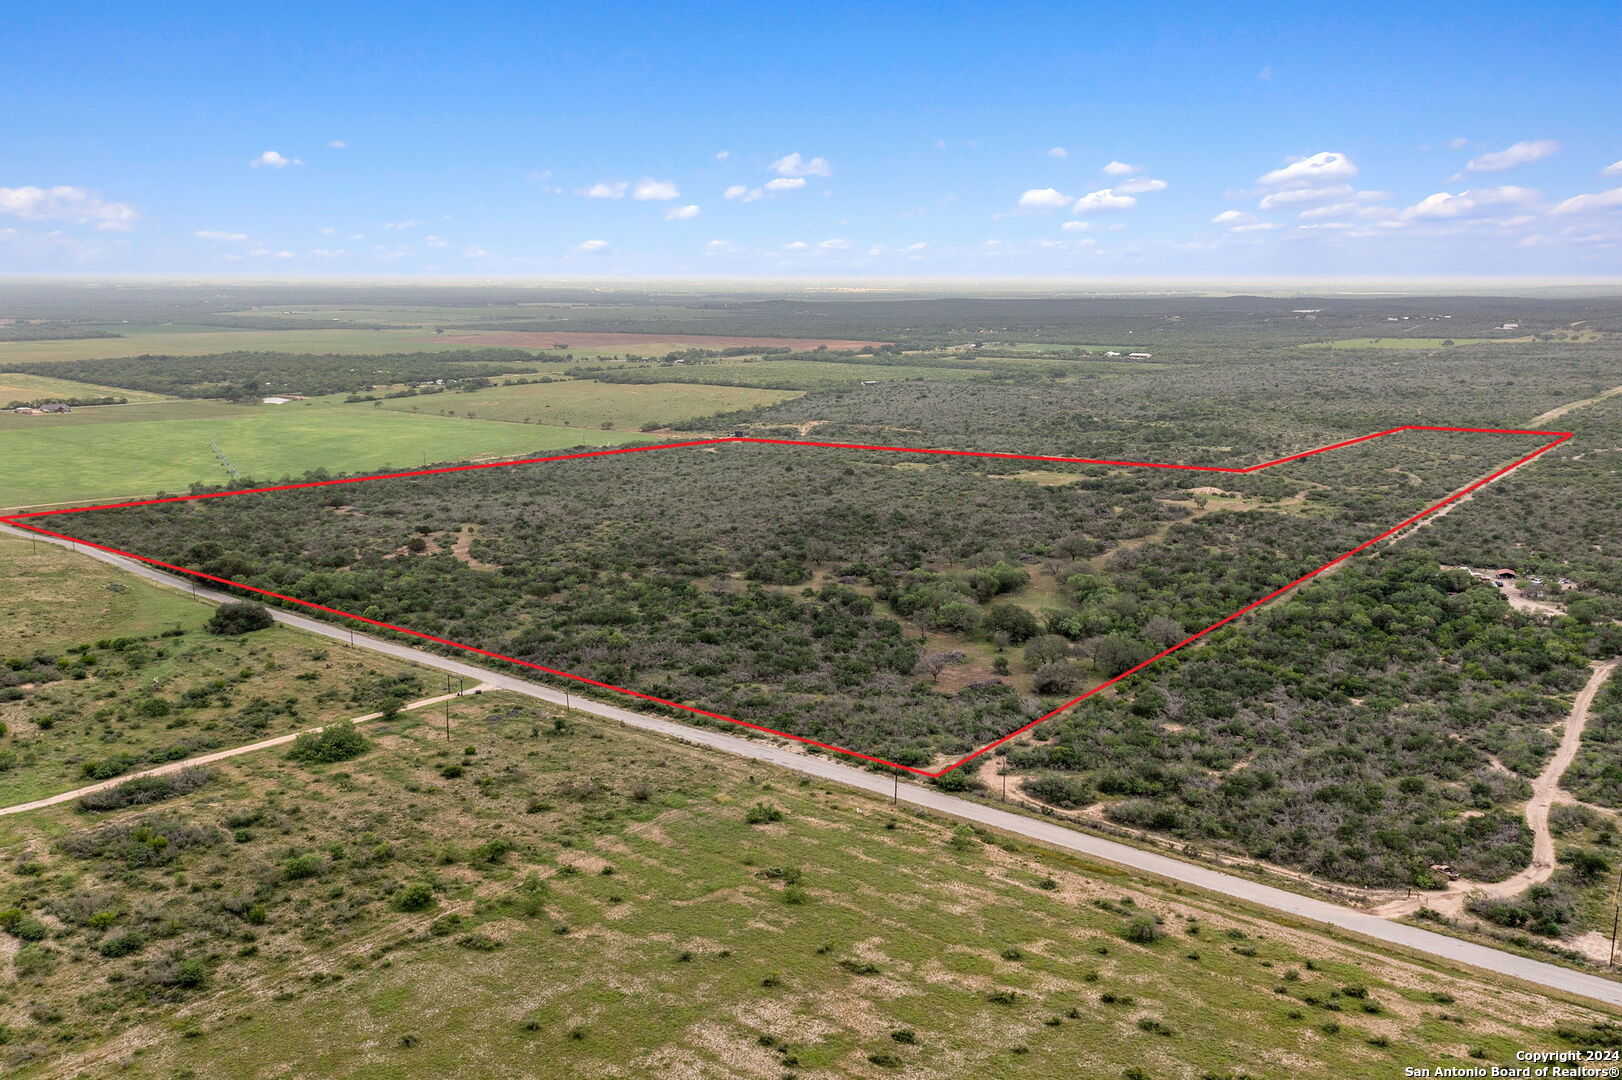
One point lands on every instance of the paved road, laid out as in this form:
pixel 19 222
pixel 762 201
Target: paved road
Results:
pixel 1304 907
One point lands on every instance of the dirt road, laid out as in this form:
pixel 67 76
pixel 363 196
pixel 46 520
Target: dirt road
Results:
pixel 1545 793
pixel 218 755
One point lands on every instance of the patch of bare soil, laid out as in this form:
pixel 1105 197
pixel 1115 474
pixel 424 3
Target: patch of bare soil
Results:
pixel 462 549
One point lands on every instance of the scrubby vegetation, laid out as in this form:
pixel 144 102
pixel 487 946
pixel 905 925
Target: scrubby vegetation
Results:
pixel 377 915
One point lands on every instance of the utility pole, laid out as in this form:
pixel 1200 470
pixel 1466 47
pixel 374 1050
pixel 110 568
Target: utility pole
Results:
pixel 1004 787
pixel 895 794
pixel 447 717
pixel 1616 920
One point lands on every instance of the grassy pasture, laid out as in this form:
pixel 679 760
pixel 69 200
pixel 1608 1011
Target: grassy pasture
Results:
pixel 50 598
pixel 15 386
pixel 204 341
pixel 48 462
pixel 636 923
pixel 53 600
pixel 626 406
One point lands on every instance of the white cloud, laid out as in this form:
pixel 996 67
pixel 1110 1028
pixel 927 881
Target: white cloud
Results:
pixel 718 247
pixel 1458 143
pixel 1583 204
pixel 1076 226
pixel 648 190
pixel 738 191
pixel 1232 217
pixel 591 247
pixel 473 251
pixel 1120 168
pixel 1140 185
pixel 1613 169
pixel 215 234
pixel 795 165
pixel 919 246
pixel 1043 199
pixel 337 144
pixel 607 189
pixel 834 245
pixel 271 159
pixel 1522 153
pixel 682 213
pixel 722 155
pixel 785 183
pixel 1474 202
pixel 77 205
pixel 1306 195
pixel 434 242
pixel 1324 167
pixel 399 226
pixel 797 245
pixel 1059 152
pixel 1104 199
pixel 1255 226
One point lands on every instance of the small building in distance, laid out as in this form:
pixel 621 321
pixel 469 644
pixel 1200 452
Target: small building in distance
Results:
pixel 1504 575
pixel 27 411
pixel 1140 356
pixel 55 407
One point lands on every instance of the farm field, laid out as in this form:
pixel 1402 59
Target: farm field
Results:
pixel 779 374
pixel 15 386
pixel 693 915
pixel 106 460
pixel 623 406
pixel 206 341
pixel 146 412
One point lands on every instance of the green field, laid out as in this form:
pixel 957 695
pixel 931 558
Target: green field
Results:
pixel 18 387
pixel 50 598
pixel 794 374
pixel 172 341
pixel 626 406
pixel 49 462
pixel 599 902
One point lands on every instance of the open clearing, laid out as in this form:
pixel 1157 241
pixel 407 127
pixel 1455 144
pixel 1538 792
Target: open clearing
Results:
pixel 18 387
pixel 49 600
pixel 51 463
pixel 590 404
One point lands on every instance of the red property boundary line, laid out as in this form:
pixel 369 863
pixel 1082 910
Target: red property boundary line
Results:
pixel 1557 437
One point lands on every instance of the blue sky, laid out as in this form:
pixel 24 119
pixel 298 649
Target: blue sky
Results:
pixel 719 140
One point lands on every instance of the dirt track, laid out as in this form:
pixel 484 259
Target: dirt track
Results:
pixel 1545 792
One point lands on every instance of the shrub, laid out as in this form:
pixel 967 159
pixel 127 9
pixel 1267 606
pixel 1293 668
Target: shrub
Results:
pixel 121 944
pixel 146 789
pixel 415 897
pixel 302 867
pixel 108 767
pixel 338 741
pixel 1144 930
pixel 763 813
pixel 239 617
